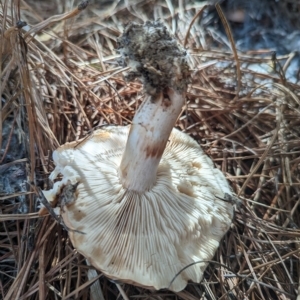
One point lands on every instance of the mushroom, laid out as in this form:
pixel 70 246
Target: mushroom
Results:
pixel 145 200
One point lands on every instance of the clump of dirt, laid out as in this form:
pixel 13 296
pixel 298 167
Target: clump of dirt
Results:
pixel 154 55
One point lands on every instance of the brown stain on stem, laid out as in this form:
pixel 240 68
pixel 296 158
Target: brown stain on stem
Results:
pixel 155 151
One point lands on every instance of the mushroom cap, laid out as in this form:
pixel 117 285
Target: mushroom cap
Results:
pixel 143 238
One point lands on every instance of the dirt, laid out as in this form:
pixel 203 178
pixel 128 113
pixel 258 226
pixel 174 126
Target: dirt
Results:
pixel 155 56
pixel 13 174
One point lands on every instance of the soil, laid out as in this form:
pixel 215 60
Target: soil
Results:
pixel 155 55
pixel 12 174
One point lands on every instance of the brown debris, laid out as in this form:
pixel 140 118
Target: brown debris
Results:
pixel 154 54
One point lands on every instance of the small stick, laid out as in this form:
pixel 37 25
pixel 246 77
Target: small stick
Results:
pixel 52 212
pixel 122 292
pixel 199 13
pixel 42 271
pixel 57 18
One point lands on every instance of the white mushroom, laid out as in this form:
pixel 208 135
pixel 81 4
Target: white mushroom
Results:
pixel 146 197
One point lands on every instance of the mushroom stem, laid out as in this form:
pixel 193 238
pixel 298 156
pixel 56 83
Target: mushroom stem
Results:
pixel 148 137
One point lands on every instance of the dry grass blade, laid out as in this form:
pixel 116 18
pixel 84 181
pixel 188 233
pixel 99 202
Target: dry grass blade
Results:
pixel 199 13
pixel 82 287
pixel 60 78
pixel 8 217
pixel 233 48
pixel 54 19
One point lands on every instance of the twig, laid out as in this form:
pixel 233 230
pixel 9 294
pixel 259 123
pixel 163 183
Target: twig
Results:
pixel 51 211
pixel 235 54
